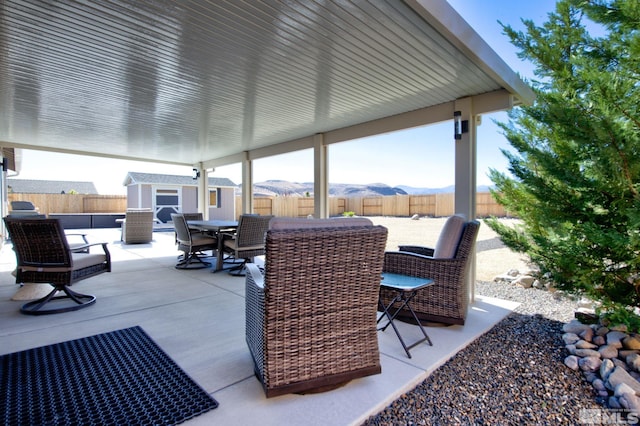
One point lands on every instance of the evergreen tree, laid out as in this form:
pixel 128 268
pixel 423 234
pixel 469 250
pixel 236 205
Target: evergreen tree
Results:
pixel 576 173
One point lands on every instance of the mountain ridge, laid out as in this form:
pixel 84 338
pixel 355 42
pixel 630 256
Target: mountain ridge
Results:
pixel 305 189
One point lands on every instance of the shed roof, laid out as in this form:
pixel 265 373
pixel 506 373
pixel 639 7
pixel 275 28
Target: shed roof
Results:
pixel 34 186
pixel 134 178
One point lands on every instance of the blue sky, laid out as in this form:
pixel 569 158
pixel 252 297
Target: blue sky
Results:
pixel 421 157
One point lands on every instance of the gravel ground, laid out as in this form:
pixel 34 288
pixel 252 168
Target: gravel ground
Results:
pixel 512 375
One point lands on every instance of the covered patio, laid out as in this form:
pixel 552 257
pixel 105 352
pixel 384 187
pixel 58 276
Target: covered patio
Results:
pixel 208 84
pixel 197 318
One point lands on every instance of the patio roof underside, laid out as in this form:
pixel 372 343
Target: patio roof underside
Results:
pixel 198 81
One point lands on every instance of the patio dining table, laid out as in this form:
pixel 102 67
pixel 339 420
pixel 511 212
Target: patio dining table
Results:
pixel 215 227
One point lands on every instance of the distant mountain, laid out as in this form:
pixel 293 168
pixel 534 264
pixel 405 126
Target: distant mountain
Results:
pixel 304 189
pixel 445 190
pixel 285 188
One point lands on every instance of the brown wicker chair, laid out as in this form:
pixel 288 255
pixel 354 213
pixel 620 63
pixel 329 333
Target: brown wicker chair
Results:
pixel 245 243
pixel 44 256
pixel 192 244
pixel 137 227
pixel 447 300
pixel 311 318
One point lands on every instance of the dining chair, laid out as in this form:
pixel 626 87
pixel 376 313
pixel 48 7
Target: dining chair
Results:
pixel 245 243
pixel 192 244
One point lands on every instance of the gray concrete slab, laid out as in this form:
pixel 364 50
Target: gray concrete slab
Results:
pixel 197 317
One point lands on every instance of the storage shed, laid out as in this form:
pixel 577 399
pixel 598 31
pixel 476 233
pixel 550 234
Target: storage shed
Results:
pixel 166 194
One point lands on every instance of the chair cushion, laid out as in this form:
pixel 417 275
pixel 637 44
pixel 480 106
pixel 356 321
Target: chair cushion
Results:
pixel 202 239
pixel 450 237
pixel 300 222
pixel 83 260
pixel 233 244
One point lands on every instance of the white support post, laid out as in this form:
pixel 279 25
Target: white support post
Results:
pixel 466 171
pixel 321 178
pixel 247 185
pixel 203 192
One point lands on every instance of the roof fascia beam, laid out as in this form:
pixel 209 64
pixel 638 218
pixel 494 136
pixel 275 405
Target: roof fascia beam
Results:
pixel 6 144
pixel 444 18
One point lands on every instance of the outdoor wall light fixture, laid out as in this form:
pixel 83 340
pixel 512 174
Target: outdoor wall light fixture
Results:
pixel 196 174
pixel 4 165
pixel 459 126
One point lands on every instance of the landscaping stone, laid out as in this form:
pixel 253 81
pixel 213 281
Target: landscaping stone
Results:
pixel 590 363
pixel 577 327
pixel 586 353
pixel 587 334
pixel 614 338
pixel 525 281
pixel 631 342
pixel 633 361
pixel 572 362
pixel 608 351
pixel 615 371
pixel 583 344
pixel 570 338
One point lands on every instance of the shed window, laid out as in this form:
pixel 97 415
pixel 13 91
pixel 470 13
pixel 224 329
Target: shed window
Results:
pixel 214 198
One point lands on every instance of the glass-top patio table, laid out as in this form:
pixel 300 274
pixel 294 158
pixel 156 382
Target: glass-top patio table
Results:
pixel 405 288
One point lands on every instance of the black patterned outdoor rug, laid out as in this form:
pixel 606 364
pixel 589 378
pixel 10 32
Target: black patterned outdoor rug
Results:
pixel 115 378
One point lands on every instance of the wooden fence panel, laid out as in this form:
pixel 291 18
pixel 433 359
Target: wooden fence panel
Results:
pixel 486 206
pixel 396 205
pixel 104 204
pixel 337 206
pixel 262 206
pixel 438 205
pixel 354 204
pixel 372 206
pixel 73 203
pixel 444 205
pixel 423 205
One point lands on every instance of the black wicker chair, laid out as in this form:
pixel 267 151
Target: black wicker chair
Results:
pixel 43 255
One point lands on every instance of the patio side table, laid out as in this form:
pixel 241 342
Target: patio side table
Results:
pixel 406 288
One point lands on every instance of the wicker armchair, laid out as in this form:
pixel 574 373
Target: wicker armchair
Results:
pixel 245 243
pixel 137 227
pixel 311 318
pixel 447 300
pixel 44 256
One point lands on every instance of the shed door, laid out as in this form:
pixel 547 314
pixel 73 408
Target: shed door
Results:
pixel 167 202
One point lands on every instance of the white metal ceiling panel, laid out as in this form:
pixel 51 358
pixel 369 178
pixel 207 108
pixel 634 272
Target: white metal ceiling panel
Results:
pixel 193 80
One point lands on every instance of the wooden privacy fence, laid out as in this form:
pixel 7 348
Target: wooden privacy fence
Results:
pixel 73 203
pixel 436 205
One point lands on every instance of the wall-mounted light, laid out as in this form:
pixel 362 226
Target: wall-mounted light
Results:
pixel 459 126
pixel 196 174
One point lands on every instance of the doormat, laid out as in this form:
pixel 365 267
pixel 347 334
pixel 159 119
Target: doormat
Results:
pixel 116 378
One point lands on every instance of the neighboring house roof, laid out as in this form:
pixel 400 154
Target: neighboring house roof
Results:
pixel 34 186
pixel 134 178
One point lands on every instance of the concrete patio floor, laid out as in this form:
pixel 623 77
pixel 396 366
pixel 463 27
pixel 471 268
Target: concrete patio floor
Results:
pixel 197 318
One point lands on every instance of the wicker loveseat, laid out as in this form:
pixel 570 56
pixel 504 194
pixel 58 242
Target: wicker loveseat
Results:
pixel 448 264
pixel 311 317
